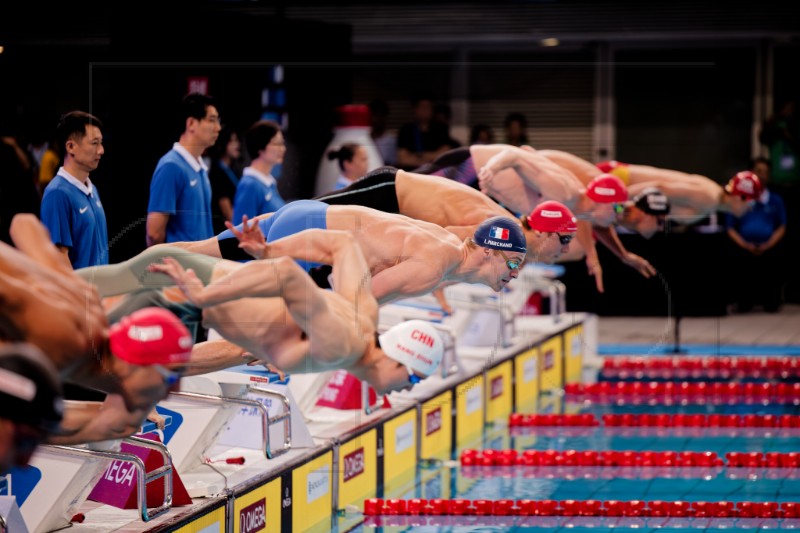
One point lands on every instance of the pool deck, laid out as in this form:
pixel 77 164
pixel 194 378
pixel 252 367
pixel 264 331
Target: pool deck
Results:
pixel 755 328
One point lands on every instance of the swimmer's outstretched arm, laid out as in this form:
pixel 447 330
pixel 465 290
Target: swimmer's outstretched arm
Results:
pixel 86 422
pixel 31 237
pixel 586 238
pixel 258 279
pixel 608 236
pixel 217 354
pixel 133 274
pixel 536 171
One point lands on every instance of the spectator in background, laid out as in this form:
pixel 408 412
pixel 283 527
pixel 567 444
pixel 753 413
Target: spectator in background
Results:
pixel 385 141
pixel 71 208
pixel 18 192
pixel 180 191
pixel 443 115
pixel 257 192
pixel 515 126
pixel 481 134
pixel 353 162
pixel 422 140
pixel 758 257
pixel 224 174
pixel 48 166
pixel 781 135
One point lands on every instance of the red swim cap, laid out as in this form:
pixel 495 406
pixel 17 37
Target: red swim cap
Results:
pixel 151 336
pixel 745 183
pixel 552 217
pixel 606 189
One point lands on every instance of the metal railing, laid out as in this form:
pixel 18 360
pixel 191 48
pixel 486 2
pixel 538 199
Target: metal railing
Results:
pixel 143 477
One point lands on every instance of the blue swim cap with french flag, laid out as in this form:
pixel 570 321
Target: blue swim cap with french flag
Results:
pixel 501 233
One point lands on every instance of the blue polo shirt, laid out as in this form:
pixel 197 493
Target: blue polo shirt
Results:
pixel 256 194
pixel 757 225
pixel 181 189
pixel 74 216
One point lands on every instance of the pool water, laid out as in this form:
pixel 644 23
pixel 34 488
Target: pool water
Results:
pixel 449 479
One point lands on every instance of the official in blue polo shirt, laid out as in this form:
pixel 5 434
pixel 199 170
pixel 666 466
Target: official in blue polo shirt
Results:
pixel 758 256
pixel 180 192
pixel 257 192
pixel 71 206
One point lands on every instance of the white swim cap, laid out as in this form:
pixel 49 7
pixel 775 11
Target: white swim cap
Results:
pixel 415 344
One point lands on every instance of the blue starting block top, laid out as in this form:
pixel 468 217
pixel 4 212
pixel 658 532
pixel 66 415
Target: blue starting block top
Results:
pixel 258 370
pixel 148 426
pixel 546 270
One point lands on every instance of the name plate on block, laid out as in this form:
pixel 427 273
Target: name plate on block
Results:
pixel 118 484
pixel 239 432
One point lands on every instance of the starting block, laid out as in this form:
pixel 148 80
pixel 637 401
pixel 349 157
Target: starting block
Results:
pixel 202 420
pixel 284 421
pixel 10 517
pixel 59 480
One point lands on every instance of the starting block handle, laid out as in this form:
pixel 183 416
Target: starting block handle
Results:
pixel 507 324
pixel 141 471
pixel 558 299
pixel 265 423
pixel 144 477
pixel 285 417
pixel 369 408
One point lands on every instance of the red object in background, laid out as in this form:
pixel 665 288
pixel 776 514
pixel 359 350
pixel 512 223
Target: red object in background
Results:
pixel 343 392
pixel 533 306
pixel 197 84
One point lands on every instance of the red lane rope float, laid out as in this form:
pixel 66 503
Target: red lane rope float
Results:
pixel 712 367
pixel 461 507
pixel 558 522
pixel 661 391
pixel 592 458
pixel 624 458
pixel 633 473
pixel 661 420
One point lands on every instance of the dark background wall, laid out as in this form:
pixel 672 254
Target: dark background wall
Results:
pixel 134 76
pixel 689 83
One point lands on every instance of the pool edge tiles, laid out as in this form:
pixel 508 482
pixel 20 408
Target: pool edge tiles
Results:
pixel 312 494
pixel 499 391
pixel 436 427
pixel 400 452
pixel 259 509
pixel 212 521
pixel 574 343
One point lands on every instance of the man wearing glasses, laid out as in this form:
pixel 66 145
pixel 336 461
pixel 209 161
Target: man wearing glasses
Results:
pixel 180 192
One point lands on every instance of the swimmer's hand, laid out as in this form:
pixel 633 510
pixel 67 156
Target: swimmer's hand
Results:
pixel 485 177
pixel 156 418
pixel 640 264
pixel 595 270
pixel 441 299
pixel 269 366
pixel 186 280
pixel 251 239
